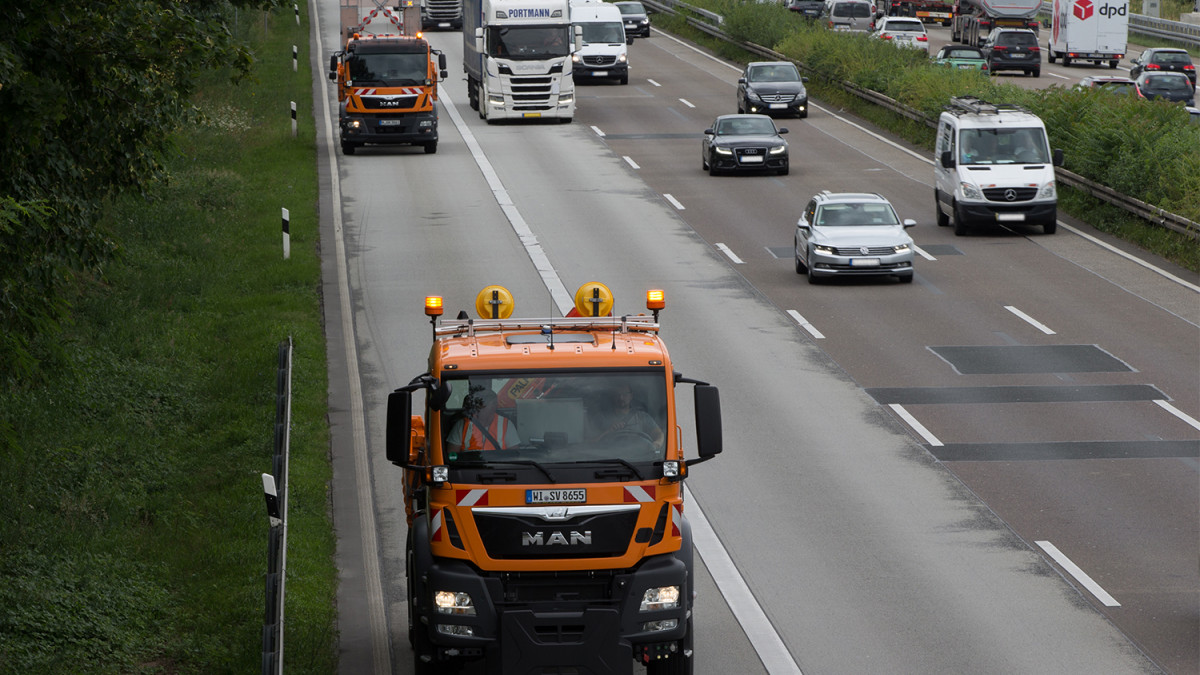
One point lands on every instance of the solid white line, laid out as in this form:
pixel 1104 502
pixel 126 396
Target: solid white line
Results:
pixel 1030 320
pixel 1061 77
pixel 1079 574
pixel 805 324
pixel 674 202
pixel 630 162
pixel 920 251
pixel 1132 258
pixel 687 103
pixel 917 426
pixel 1178 413
pixel 598 132
pixel 762 635
pixel 377 617
pixel 654 83
pixel 725 249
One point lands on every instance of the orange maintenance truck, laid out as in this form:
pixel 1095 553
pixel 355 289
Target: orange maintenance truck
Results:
pixel 386 78
pixel 544 490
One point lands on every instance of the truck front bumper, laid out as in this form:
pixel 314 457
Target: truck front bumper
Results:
pixel 1030 213
pixel 613 72
pixel 530 622
pixel 384 129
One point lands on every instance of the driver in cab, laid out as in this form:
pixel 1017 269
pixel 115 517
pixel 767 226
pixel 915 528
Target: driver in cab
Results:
pixel 481 427
pixel 620 416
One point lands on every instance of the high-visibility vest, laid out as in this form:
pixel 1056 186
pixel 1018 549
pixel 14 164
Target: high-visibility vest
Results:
pixel 474 439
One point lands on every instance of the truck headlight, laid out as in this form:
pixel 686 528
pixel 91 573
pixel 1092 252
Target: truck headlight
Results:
pixel 663 597
pixel 622 58
pixel 454 602
pixel 1048 191
pixel 665 624
pixel 970 191
pixel 450 629
pixel 778 150
pixel 495 99
pixel 564 99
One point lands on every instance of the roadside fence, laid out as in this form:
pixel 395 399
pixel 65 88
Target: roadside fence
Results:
pixel 275 491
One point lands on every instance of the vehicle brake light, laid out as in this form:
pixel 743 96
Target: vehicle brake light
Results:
pixel 1152 66
pixel 922 38
pixel 886 37
pixel 1035 49
pixel 999 48
pixel 1189 67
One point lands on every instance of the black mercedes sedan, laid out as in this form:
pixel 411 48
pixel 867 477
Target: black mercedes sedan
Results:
pixel 737 143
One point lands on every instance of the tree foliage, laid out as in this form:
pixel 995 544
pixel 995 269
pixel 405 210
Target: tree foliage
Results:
pixel 89 93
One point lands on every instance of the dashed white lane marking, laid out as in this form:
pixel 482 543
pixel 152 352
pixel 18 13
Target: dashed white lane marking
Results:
pixel 729 254
pixel 1030 320
pixel 917 426
pixel 1178 413
pixel 674 202
pixel 598 132
pixel 1080 575
pixel 805 324
pixel 630 162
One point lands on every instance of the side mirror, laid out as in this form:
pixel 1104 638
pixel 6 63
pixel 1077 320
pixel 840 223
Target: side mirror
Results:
pixel 909 222
pixel 628 39
pixel 479 39
pixel 947 160
pixel 804 79
pixel 708 132
pixel 741 80
pixel 708 421
pixel 442 63
pixel 399 426
pixel 333 59
pixel 578 37
pixel 1058 157
pixel 781 130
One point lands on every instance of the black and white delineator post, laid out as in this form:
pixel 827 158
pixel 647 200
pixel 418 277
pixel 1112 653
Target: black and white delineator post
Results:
pixel 293 119
pixel 295 58
pixel 287 236
pixel 297 8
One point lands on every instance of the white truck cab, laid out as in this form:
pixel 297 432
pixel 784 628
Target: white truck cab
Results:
pixel 993 164
pixel 604 53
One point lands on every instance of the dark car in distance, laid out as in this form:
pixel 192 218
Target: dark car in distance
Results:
pixel 809 9
pixel 637 22
pixel 772 87
pixel 1174 87
pixel 1109 84
pixel 1164 59
pixel 1013 49
pixel 740 143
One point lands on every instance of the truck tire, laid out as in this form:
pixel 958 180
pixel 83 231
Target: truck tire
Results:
pixel 431 148
pixel 943 220
pixel 625 78
pixel 348 148
pixel 1113 64
pixel 1050 55
pixel 1050 227
pixel 960 223
pixel 1037 72
pixel 1066 61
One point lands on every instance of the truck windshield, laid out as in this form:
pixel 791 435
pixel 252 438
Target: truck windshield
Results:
pixel 1003 146
pixel 389 69
pixel 556 417
pixel 528 42
pixel 606 32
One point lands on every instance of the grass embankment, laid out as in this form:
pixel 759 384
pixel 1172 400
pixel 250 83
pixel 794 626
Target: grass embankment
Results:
pixel 134 528
pixel 1156 146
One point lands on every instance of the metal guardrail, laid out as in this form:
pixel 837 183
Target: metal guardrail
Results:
pixel 1148 212
pixel 275 489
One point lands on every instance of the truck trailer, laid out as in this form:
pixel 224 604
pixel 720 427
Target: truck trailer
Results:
pixel 974 19
pixel 928 11
pixel 543 484
pixel 517 57
pixel 1088 30
pixel 386 78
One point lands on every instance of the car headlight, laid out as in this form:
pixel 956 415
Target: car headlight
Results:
pixel 778 150
pixel 827 250
pixel 1048 191
pixel 575 58
pixel 970 191
pixel 454 602
pixel 722 151
pixel 752 95
pixel 645 22
pixel 663 597
pixel 622 58
pixel 902 248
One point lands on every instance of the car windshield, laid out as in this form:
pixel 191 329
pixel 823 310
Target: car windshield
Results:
pixel 602 32
pixel 746 126
pixel 634 8
pixel 555 417
pixel 529 42
pixel 1003 146
pixel 774 73
pixel 964 54
pixel 848 215
pixel 1172 58
pixel 852 10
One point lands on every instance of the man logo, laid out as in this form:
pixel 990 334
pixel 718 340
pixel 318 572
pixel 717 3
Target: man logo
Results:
pixel 556 539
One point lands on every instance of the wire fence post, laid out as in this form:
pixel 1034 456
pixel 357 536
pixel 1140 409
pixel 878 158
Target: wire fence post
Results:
pixel 275 493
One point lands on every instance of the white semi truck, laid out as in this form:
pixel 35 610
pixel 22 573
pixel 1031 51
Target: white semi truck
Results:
pixel 517 56
pixel 1088 30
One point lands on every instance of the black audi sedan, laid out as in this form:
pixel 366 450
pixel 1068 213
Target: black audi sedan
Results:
pixel 772 87
pixel 737 143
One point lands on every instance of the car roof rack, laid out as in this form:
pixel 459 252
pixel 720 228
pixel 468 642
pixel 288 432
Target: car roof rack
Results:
pixel 964 105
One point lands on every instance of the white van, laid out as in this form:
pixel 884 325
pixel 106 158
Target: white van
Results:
pixel 993 164
pixel 604 54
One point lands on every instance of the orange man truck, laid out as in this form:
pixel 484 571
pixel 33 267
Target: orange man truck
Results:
pixel 386 78
pixel 544 490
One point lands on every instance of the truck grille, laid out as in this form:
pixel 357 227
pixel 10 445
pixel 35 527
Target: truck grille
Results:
pixel 443 10
pixel 589 535
pixel 531 93
pixel 535 587
pixel 1021 194
pixel 600 60
pixel 388 102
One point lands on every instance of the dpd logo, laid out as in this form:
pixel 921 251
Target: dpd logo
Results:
pixel 1083 9
pixel 1113 10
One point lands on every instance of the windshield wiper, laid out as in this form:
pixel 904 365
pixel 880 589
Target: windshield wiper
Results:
pixel 515 462
pixel 613 460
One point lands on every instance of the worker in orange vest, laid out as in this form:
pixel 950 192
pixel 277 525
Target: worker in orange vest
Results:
pixel 482 428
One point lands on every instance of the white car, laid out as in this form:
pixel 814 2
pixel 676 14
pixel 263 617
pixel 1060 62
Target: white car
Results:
pixel 903 32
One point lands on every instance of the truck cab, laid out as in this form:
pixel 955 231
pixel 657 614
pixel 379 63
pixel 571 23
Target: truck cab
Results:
pixel 993 165
pixel 604 52
pixel 543 480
